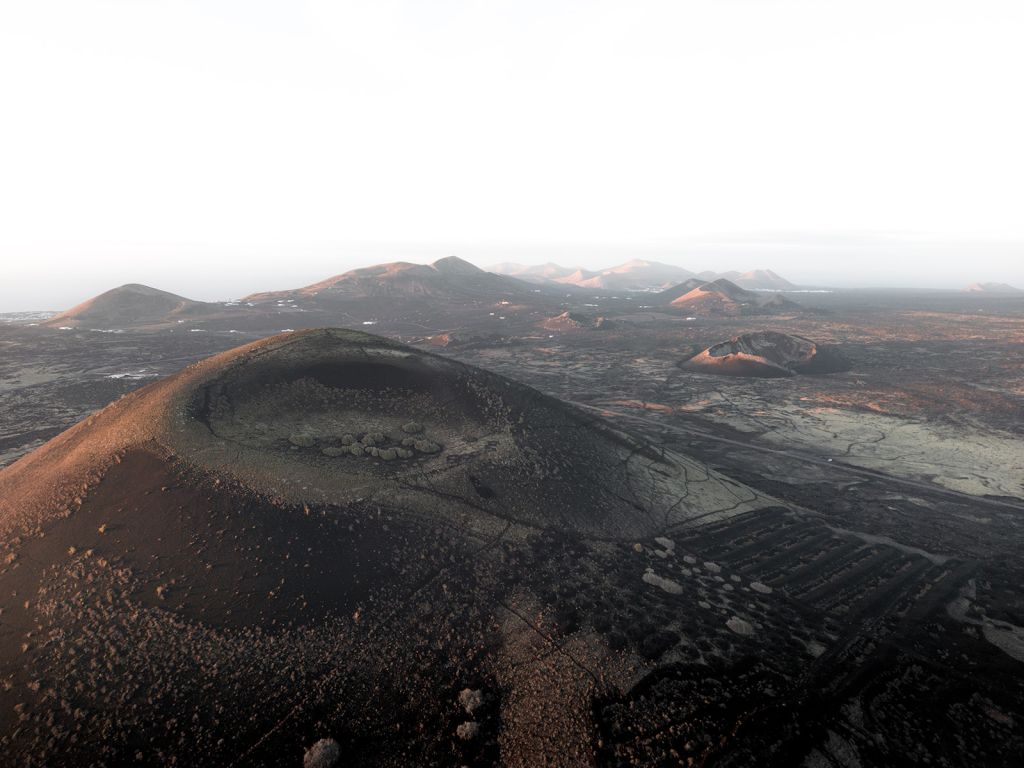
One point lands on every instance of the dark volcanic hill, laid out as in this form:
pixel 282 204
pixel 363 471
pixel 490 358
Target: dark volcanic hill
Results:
pixel 130 305
pixel 450 278
pixel 575 321
pixel 676 291
pixel 763 278
pixel 725 297
pixel 767 354
pixel 330 535
pixel 994 289
pixel 754 279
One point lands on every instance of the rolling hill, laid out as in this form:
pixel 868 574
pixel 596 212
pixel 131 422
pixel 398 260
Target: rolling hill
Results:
pixel 130 305
pixel 725 297
pixel 994 289
pixel 450 278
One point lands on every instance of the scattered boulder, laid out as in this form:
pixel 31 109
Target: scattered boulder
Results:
pixel 666 585
pixel 302 441
pixel 468 731
pixel 471 700
pixel 665 543
pixel 740 626
pixel 324 754
pixel 412 428
pixel 334 451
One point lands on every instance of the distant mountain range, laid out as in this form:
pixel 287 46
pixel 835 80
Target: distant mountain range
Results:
pixel 537 273
pixel 451 282
pixel 635 275
pixel 638 275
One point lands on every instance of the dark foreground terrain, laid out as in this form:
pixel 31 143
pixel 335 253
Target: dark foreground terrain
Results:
pixel 681 568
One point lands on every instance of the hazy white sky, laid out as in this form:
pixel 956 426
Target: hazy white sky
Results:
pixel 254 130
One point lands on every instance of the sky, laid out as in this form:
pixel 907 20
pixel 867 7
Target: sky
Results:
pixel 215 148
